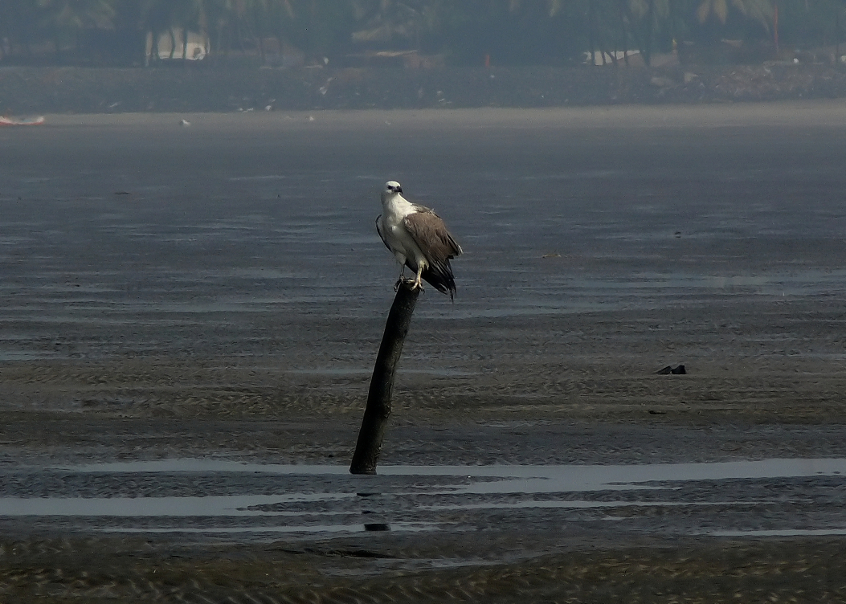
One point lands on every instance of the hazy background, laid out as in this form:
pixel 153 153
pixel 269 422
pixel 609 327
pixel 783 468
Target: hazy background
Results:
pixel 118 56
pixel 343 32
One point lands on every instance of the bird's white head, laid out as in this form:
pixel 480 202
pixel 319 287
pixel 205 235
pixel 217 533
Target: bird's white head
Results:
pixel 391 190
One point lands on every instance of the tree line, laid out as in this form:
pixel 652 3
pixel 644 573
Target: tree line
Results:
pixel 463 31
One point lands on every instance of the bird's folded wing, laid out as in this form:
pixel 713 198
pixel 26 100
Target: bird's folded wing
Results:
pixel 431 236
pixel 379 230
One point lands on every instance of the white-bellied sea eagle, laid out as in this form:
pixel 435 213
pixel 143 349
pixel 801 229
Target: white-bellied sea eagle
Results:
pixel 418 239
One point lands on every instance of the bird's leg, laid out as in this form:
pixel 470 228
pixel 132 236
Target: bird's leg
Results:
pixel 401 277
pixel 417 283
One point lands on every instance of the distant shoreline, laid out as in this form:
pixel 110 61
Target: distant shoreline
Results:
pixel 824 113
pixel 85 90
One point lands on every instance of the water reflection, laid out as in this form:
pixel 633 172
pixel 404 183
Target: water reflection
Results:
pixel 224 496
pixel 566 477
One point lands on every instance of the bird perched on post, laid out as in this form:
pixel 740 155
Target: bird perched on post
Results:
pixel 418 239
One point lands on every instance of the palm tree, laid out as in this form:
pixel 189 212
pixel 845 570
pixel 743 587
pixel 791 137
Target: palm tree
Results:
pixel 317 27
pixel 18 24
pixel 69 17
pixel 553 6
pixel 188 15
pixel 758 10
pixel 76 14
pixel 645 17
pixel 159 16
pixel 252 19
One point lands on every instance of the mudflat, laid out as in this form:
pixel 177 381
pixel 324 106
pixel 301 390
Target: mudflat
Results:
pixel 190 314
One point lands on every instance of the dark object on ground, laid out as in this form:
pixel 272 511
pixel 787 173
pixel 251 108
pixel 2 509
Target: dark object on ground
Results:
pixel 377 527
pixel 678 370
pixel 378 408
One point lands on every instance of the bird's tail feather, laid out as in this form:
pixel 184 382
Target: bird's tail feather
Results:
pixel 439 275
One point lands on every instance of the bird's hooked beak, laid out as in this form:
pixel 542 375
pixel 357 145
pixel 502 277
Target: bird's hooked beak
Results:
pixel 395 188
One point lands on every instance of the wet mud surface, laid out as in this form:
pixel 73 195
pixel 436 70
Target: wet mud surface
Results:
pixel 190 315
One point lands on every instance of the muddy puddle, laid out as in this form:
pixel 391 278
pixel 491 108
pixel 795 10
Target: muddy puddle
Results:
pixel 771 497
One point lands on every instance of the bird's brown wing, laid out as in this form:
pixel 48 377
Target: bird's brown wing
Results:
pixel 434 240
pixel 431 235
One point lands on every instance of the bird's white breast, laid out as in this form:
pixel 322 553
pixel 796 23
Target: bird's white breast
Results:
pixel 395 209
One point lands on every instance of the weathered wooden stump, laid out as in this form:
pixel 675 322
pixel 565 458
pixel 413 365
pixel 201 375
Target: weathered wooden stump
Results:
pixel 378 407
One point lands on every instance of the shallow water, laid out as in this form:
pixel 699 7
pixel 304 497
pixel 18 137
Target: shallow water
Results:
pixel 266 499
pixel 256 230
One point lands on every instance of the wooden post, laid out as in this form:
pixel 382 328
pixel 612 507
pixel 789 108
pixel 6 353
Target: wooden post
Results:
pixel 378 408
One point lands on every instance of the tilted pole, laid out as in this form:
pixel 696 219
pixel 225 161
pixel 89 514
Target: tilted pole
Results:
pixel 378 408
